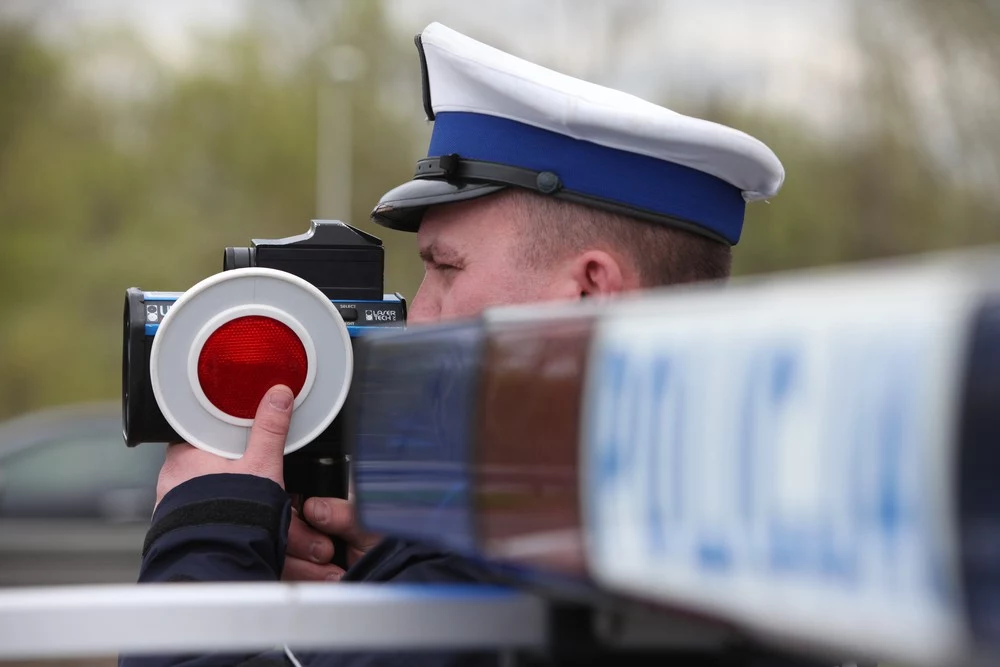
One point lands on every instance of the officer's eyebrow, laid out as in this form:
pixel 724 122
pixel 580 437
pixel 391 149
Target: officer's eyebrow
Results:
pixel 436 252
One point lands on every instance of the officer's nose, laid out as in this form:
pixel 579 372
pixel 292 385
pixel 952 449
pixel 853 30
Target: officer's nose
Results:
pixel 425 308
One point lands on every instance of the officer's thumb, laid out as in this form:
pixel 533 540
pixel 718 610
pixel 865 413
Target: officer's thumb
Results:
pixel 266 445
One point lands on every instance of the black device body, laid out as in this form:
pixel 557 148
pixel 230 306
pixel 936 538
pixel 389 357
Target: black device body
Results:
pixel 347 265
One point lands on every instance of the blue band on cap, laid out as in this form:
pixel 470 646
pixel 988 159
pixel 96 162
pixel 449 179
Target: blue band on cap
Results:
pixel 587 168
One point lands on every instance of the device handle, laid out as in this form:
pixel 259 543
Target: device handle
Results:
pixel 320 476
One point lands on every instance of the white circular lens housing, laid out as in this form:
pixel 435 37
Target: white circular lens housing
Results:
pixel 224 297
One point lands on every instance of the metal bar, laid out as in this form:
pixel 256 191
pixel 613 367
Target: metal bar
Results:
pixel 89 621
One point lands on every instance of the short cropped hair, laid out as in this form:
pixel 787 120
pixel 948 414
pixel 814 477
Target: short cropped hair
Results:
pixel 661 255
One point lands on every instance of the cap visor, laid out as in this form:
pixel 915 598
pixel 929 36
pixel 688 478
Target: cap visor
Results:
pixel 403 207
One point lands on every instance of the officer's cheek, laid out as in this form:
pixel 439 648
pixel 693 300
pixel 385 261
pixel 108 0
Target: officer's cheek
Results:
pixel 461 294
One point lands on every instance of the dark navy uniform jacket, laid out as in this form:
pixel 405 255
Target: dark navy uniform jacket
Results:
pixel 235 528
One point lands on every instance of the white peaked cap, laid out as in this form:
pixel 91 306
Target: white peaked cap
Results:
pixel 501 121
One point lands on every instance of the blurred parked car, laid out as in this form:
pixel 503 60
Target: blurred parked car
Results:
pixel 75 502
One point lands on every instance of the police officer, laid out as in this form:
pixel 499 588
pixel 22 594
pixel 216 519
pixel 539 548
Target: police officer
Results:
pixel 537 187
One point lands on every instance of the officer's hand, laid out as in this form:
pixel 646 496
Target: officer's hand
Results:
pixel 310 547
pixel 263 457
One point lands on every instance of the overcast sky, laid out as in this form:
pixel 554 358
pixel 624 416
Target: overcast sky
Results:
pixel 792 54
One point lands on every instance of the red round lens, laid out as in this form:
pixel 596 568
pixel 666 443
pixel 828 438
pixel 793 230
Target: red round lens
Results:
pixel 244 358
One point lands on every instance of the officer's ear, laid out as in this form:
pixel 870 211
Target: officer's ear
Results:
pixel 599 273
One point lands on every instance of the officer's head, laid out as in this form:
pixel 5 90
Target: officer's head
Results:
pixel 540 187
pixel 516 247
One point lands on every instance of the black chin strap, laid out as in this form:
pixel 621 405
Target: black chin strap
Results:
pixel 455 168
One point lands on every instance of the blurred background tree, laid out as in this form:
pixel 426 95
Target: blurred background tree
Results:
pixel 918 168
pixel 119 168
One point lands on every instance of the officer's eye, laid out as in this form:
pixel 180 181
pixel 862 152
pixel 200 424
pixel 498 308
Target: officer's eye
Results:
pixel 442 259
